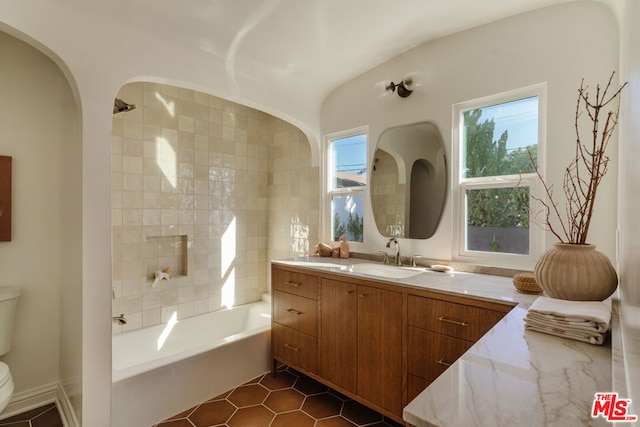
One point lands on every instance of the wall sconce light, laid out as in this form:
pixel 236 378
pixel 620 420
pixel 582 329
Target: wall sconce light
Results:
pixel 409 83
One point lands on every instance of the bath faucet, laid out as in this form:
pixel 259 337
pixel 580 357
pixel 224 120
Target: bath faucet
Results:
pixel 120 320
pixel 397 260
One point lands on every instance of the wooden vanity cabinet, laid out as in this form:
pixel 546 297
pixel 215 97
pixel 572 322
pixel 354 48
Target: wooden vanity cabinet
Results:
pixel 376 342
pixel 439 332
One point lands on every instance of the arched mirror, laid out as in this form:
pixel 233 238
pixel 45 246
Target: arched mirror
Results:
pixel 409 181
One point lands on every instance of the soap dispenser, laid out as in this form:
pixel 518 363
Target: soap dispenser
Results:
pixel 344 247
pixel 335 252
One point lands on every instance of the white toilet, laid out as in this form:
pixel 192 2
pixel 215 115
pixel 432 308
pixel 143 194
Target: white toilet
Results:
pixel 8 299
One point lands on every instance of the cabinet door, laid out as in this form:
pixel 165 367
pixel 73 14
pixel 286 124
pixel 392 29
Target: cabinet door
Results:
pixel 338 333
pixel 380 347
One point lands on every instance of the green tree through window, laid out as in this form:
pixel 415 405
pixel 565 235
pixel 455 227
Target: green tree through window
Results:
pixel 496 207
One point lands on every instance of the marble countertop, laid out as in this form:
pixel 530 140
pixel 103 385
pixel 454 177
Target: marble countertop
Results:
pixel 510 377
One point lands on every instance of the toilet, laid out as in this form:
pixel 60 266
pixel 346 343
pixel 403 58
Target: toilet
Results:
pixel 8 299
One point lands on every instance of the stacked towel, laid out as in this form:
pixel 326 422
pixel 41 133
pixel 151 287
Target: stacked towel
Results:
pixel 586 321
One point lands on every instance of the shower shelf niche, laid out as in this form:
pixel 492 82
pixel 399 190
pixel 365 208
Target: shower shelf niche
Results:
pixel 163 252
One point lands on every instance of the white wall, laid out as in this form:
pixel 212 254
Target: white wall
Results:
pixel 37 128
pixel 559 45
pixel 629 202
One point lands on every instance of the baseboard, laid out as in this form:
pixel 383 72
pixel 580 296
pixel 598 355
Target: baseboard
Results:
pixel 31 399
pixel 67 414
pixel 41 396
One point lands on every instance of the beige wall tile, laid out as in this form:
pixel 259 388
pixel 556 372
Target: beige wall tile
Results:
pixel 188 165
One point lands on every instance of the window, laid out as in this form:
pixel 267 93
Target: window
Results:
pixel 346 184
pixel 498 143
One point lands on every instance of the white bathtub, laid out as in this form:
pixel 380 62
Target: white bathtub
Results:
pixel 201 357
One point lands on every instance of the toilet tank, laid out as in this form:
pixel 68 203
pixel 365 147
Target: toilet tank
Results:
pixel 8 299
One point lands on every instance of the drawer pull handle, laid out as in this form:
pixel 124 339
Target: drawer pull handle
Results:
pixel 349 292
pixel 442 362
pixel 294 312
pixel 455 322
pixel 289 346
pixel 290 283
pixel 364 295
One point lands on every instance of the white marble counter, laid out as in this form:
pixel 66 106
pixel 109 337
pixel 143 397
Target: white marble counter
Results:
pixel 511 377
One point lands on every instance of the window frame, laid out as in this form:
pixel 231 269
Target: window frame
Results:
pixel 460 185
pixel 328 192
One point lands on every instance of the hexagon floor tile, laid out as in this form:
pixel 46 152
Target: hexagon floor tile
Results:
pixel 289 399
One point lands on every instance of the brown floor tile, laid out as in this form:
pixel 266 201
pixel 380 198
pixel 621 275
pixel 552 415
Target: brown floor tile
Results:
pixel 284 400
pixel 210 413
pixel 283 379
pixel 49 418
pixel 254 416
pixel 293 419
pixel 360 414
pixel 176 423
pixel 255 380
pixel 322 405
pixel 308 386
pixel 183 414
pixel 248 395
pixel 16 423
pixel 221 396
pixel 28 415
pixel 291 399
pixel 391 423
pixel 45 416
pixel 334 422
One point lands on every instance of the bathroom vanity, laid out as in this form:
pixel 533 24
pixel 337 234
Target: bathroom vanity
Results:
pixel 378 342
pixel 430 349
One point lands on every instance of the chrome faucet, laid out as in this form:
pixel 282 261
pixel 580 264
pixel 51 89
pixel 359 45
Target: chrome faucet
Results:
pixel 120 320
pixel 396 260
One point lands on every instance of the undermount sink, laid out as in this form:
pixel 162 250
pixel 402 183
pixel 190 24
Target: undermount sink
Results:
pixel 384 270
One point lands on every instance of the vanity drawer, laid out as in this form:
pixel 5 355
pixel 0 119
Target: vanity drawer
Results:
pixel 295 347
pixel 415 386
pixel 456 320
pixel 295 312
pixel 430 354
pixel 304 285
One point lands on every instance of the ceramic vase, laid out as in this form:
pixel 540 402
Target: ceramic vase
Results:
pixel 576 272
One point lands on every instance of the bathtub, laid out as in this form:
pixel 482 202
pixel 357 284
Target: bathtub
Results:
pixel 160 371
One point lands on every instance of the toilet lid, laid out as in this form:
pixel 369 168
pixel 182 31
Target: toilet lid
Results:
pixel 4 373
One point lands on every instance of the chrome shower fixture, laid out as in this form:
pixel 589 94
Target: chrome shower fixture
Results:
pixel 119 106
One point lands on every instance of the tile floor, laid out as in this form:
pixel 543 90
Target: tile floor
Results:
pixel 45 416
pixel 289 400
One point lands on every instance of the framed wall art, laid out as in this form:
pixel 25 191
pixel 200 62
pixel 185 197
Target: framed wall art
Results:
pixel 5 199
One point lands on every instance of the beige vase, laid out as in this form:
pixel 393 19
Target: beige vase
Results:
pixel 576 272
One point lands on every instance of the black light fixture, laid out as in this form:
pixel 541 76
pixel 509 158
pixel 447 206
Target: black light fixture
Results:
pixel 119 106
pixel 409 83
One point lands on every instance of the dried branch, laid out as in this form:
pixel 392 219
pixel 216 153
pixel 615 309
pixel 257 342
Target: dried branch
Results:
pixel 585 172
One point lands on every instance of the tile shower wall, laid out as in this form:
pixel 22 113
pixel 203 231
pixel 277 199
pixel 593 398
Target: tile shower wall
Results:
pixel 203 186
pixel 294 198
